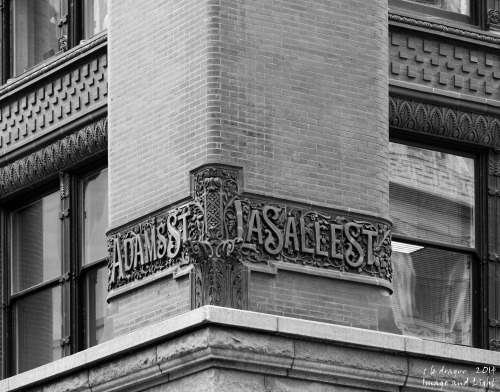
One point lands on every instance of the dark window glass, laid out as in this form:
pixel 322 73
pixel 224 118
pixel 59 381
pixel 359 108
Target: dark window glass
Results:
pixel 50 289
pixel 37 26
pixel 36 243
pixel 38 322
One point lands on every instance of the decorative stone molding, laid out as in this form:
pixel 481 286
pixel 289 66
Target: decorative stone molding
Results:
pixel 494 163
pixel 495 345
pixel 51 65
pixel 441 28
pixel 494 19
pixel 82 144
pixel 219 232
pixel 415 116
pixel 39 109
pixel 453 66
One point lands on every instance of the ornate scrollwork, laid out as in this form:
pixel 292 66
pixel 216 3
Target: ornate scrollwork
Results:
pixel 493 17
pixel 495 345
pixel 441 28
pixel 217 232
pixel 494 163
pixel 444 121
pixel 85 143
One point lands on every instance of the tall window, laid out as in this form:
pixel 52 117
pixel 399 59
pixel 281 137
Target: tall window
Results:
pixel 432 206
pixel 39 29
pixel 57 289
pixel 458 6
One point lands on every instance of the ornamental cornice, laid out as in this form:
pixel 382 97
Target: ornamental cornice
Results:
pixel 59 155
pixel 79 50
pixel 447 122
pixel 441 28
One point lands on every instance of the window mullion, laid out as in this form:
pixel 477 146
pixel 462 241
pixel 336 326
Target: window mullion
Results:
pixel 68 270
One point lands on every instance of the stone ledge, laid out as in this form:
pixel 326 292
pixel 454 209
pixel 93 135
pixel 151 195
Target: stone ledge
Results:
pixel 252 342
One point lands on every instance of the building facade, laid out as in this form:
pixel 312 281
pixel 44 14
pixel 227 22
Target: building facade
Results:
pixel 250 195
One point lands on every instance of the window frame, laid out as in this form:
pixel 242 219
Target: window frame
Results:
pixel 74 274
pixel 478 270
pixel 477 18
pixel 75 34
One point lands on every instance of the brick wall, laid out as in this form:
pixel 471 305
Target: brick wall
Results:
pixel 303 93
pixel 158 301
pixel 158 114
pixel 295 92
pixel 317 298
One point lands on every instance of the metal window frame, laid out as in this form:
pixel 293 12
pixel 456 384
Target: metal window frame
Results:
pixel 479 278
pixel 74 275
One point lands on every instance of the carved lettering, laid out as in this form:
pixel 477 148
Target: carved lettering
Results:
pixel 150 245
pixel 317 232
pixel 303 233
pixel 162 249
pixel 138 251
pixel 128 254
pixel 225 227
pixel 174 237
pixel 370 234
pixel 277 239
pixel 350 256
pixel 291 231
pixel 335 250
pixel 117 261
pixel 255 226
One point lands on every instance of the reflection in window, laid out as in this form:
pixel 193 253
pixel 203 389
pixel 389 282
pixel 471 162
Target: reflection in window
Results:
pixel 96 17
pixel 36 243
pixel 95 216
pixel 36 26
pixel 431 196
pixel 38 329
pixel 459 6
pixel 432 293
pixel 97 280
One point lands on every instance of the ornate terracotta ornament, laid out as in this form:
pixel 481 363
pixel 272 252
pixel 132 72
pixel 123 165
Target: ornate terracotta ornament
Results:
pixel 80 145
pixel 443 121
pixel 219 232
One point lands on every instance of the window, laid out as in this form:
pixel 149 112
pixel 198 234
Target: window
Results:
pixel 57 287
pixel 458 6
pixel 432 206
pixel 464 11
pixel 36 30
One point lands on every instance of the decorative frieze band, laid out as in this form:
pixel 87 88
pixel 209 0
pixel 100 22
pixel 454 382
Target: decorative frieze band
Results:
pixel 219 231
pixel 441 28
pixel 39 109
pixel 415 116
pixel 80 145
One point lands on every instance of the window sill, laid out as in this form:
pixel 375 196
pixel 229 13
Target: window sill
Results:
pixel 51 65
pixel 444 28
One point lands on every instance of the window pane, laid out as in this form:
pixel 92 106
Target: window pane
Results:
pixel 35 32
pixel 459 6
pixel 38 329
pixel 95 17
pixel 431 296
pixel 431 195
pixel 36 243
pixel 95 216
pixel 96 289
